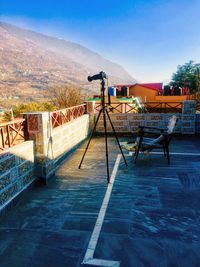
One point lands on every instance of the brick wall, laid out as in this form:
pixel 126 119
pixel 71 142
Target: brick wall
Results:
pixel 128 123
pixel 197 124
pixel 70 134
pixel 51 144
pixel 188 117
pixel 16 171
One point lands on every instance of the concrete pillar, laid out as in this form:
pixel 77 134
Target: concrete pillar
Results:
pixel 39 129
pixel 90 109
pixel 188 117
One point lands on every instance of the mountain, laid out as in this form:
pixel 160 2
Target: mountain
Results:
pixel 31 62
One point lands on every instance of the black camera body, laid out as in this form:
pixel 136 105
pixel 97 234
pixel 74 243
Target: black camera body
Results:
pixel 100 76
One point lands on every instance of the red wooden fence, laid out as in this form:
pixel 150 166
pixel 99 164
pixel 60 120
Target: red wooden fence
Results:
pixel 62 116
pixel 151 107
pixel 11 133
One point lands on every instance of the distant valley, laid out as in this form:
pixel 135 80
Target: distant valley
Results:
pixel 31 62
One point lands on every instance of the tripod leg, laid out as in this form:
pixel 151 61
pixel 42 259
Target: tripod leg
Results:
pixel 90 139
pixel 116 137
pixel 106 143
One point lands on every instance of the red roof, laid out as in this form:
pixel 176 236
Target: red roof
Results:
pixel 153 86
pixel 126 85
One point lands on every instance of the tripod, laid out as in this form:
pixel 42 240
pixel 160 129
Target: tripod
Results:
pixel 104 111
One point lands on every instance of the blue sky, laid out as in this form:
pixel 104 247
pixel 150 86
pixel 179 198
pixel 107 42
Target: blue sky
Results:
pixel 149 38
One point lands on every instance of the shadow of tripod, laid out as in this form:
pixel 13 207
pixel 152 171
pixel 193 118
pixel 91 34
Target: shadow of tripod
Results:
pixel 101 76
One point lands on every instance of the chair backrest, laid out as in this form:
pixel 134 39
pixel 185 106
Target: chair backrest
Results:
pixel 166 136
pixel 172 123
pixel 170 129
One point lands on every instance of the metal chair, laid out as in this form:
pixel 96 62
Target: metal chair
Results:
pixel 161 141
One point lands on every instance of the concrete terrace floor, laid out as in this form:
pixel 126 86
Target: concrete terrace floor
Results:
pixel 152 218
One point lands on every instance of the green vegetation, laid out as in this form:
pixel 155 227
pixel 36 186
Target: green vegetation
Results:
pixel 60 97
pixel 33 106
pixel 29 107
pixel 188 75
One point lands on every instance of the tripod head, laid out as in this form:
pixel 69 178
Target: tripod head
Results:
pixel 100 76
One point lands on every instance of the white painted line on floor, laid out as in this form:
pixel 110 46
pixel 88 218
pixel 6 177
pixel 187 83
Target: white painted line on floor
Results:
pixel 171 153
pixel 88 259
pixel 178 153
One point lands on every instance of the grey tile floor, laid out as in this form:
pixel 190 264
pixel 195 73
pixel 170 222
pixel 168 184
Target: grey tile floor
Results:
pixel 152 218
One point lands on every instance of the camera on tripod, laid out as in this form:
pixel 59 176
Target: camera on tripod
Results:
pixel 100 76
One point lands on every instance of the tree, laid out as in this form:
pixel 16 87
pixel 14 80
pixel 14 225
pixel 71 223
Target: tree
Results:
pixel 187 75
pixel 198 83
pixel 66 96
pixel 27 107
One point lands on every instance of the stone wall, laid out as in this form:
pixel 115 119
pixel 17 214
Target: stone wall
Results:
pixel 188 117
pixel 16 171
pixel 197 125
pixel 128 123
pixel 67 136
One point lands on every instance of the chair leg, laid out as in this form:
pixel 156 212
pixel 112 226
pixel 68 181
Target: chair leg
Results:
pixel 164 151
pixel 136 155
pixel 138 149
pixel 168 159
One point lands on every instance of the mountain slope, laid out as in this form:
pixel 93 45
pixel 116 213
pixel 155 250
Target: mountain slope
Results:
pixel 31 61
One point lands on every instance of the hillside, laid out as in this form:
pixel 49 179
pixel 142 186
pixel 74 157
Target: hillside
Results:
pixel 31 62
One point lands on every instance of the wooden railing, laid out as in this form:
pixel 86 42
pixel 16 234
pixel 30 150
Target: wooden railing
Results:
pixel 118 107
pixel 11 133
pixel 163 107
pixel 151 107
pixel 59 117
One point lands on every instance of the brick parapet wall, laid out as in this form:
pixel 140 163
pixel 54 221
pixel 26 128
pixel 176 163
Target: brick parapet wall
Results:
pixel 67 136
pixel 53 143
pixel 197 124
pixel 188 117
pixel 128 123
pixel 16 171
